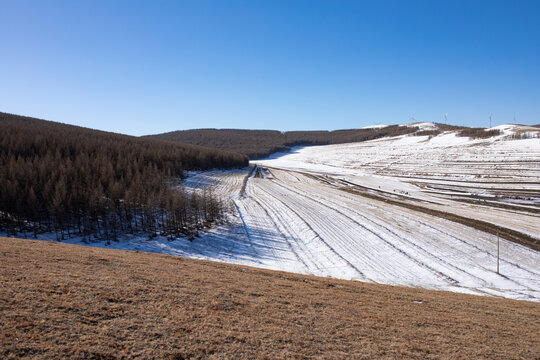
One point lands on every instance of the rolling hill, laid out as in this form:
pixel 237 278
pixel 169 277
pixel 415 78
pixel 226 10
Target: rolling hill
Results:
pixel 66 301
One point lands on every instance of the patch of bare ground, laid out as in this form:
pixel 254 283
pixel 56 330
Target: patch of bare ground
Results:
pixel 68 301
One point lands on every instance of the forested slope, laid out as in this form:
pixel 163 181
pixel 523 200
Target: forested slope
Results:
pixel 68 179
pixel 261 143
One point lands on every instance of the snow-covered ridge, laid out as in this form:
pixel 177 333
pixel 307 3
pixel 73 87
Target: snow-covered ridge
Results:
pixel 507 131
pixel 423 125
pixel 514 131
pixel 515 127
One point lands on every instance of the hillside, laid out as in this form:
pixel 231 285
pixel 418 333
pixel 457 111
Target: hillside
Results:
pixel 258 144
pixel 73 180
pixel 414 210
pixel 261 143
pixel 66 301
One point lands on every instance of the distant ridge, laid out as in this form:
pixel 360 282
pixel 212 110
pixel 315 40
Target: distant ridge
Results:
pixel 258 144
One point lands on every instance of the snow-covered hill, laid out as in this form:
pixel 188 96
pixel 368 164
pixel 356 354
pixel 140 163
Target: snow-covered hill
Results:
pixel 490 181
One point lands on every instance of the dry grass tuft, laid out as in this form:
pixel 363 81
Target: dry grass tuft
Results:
pixel 67 301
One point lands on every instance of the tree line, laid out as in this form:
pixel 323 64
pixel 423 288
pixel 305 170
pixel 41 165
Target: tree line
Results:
pixel 257 144
pixel 78 181
pixel 261 143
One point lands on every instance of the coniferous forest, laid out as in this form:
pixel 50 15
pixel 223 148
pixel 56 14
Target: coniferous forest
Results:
pixel 81 182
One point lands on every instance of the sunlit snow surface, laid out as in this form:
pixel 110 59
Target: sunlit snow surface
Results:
pixel 303 214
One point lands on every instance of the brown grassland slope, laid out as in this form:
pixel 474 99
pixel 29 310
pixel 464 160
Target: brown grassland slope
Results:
pixel 68 301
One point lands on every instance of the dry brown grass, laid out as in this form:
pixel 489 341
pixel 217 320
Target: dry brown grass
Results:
pixel 67 301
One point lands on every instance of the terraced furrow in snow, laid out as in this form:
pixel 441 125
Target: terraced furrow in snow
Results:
pixel 314 246
pixel 354 241
pixel 432 249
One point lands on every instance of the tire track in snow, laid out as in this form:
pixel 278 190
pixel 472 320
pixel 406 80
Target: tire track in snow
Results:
pixel 389 244
pixel 300 243
pixel 438 258
pixel 257 257
pixel 410 257
pixel 350 247
pixel 477 248
pixel 333 185
pixel 282 235
pixel 403 239
pixel 246 179
pixel 319 236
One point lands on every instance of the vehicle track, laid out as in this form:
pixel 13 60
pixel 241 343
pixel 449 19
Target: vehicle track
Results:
pixel 247 232
pixel 282 234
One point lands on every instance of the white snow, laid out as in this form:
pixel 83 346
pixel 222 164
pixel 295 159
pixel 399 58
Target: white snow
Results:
pixel 378 126
pixel 423 125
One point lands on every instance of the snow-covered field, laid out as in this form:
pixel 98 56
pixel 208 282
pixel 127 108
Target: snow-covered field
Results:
pixel 351 211
pixel 334 197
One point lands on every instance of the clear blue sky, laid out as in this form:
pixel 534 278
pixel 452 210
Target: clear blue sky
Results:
pixel 145 67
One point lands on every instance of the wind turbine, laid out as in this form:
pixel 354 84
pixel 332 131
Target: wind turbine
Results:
pixel 490 120
pixel 446 119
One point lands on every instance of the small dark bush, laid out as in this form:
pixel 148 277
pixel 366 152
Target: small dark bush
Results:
pixel 427 133
pixel 478 133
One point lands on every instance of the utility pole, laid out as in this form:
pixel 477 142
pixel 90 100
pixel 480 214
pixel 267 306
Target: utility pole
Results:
pixel 498 246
